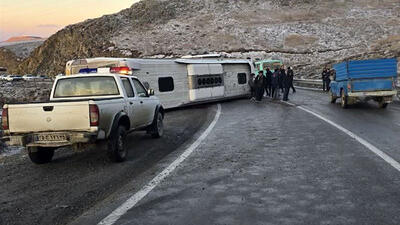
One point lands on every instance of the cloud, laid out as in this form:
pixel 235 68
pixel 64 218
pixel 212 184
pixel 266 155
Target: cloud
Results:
pixel 48 26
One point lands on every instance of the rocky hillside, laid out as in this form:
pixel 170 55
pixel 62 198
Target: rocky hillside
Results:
pixel 304 33
pixel 22 49
pixel 9 60
pixel 15 49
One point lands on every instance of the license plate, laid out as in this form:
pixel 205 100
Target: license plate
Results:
pixel 50 137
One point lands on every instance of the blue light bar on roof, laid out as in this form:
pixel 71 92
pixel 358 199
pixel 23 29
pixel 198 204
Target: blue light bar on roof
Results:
pixel 88 70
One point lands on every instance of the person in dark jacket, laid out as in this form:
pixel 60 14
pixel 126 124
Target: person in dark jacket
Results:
pixel 280 80
pixel 324 76
pixel 252 87
pixel 268 82
pixel 328 79
pixel 291 76
pixel 283 77
pixel 259 83
pixel 286 87
pixel 275 84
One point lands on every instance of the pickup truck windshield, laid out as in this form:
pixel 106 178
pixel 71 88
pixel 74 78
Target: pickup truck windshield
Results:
pixel 86 86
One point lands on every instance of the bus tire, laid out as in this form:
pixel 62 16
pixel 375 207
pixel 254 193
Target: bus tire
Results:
pixel 41 155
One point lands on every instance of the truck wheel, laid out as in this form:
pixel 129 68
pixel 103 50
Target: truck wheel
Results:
pixel 344 100
pixel 382 104
pixel 333 98
pixel 41 155
pixel 157 128
pixel 117 151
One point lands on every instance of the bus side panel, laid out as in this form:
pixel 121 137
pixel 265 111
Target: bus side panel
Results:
pixel 151 73
pixel 231 79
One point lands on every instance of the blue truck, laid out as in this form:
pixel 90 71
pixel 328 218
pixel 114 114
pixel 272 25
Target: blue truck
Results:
pixel 364 80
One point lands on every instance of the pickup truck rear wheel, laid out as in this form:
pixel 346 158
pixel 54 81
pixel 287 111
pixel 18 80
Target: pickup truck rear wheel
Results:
pixel 382 104
pixel 41 155
pixel 344 99
pixel 157 128
pixel 117 150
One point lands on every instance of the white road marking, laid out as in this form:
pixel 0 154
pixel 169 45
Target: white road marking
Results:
pixel 368 145
pixel 288 103
pixel 133 200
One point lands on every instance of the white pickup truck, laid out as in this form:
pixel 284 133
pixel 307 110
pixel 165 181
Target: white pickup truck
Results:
pixel 84 108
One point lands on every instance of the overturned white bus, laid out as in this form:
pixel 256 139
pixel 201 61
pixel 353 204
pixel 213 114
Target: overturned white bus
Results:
pixel 178 82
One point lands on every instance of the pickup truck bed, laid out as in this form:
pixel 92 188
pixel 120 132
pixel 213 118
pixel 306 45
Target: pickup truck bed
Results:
pixel 52 116
pixel 365 79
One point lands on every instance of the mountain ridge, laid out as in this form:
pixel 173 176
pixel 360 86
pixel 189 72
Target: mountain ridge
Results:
pixel 303 33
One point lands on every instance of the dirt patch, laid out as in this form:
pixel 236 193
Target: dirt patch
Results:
pixel 297 40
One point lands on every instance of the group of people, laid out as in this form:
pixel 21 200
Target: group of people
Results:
pixel 272 83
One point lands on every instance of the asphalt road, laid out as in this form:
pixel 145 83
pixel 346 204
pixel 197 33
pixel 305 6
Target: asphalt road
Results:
pixel 58 192
pixel 270 163
pixel 262 163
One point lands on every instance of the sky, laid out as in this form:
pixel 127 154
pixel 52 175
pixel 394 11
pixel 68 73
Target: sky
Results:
pixel 45 17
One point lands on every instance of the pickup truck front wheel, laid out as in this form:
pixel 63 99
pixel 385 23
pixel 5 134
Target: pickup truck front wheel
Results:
pixel 41 155
pixel 156 129
pixel 117 150
pixel 333 98
pixel 344 100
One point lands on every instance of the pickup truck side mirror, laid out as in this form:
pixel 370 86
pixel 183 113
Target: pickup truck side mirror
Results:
pixel 150 92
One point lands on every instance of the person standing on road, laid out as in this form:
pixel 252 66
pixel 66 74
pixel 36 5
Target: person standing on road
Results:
pixel 324 75
pixel 268 82
pixel 328 79
pixel 260 86
pixel 286 87
pixel 290 75
pixel 275 84
pixel 281 77
pixel 252 87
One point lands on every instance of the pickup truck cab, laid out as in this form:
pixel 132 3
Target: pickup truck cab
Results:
pixel 364 80
pixel 84 108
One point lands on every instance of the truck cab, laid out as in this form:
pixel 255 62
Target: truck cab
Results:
pixel 363 80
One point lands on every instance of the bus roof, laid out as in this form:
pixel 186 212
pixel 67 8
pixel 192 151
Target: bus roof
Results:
pixel 151 61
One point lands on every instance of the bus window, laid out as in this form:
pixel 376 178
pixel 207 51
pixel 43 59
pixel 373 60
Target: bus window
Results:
pixel 242 79
pixel 165 84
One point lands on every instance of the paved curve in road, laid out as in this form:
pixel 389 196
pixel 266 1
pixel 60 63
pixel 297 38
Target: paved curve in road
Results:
pixel 270 163
pixel 380 127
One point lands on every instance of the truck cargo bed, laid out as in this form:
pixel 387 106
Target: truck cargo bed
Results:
pixel 52 116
